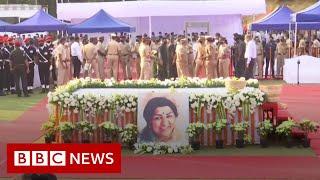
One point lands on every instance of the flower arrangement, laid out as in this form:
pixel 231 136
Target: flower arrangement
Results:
pixel 111 130
pixel 49 130
pixel 265 128
pixel 218 126
pixel 86 128
pixel 127 103
pixel 129 134
pixel 285 128
pixel 307 126
pixel 248 99
pixel 66 129
pixel 161 148
pixel 194 130
pixel 81 83
pixel 240 128
pixel 235 84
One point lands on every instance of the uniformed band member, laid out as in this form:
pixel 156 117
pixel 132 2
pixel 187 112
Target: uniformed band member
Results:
pixel 2 70
pixel 7 76
pixel 19 64
pixel 44 63
pixel 10 77
pixel 30 51
pixel 53 68
pixel 101 57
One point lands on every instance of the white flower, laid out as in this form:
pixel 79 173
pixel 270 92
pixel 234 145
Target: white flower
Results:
pixel 149 149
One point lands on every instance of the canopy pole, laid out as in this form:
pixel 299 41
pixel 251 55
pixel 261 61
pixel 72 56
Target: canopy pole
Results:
pixel 150 26
pixel 295 39
pixel 290 39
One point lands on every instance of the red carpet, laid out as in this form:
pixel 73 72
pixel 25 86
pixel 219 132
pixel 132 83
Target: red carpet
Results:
pixel 303 101
pixel 214 167
pixel 26 129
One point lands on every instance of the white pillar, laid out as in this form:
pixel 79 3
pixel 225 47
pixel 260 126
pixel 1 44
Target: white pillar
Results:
pixel 150 26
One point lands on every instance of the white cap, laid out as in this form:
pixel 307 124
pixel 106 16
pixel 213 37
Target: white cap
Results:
pixel 113 35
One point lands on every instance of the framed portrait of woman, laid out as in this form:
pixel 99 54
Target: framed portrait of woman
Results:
pixel 163 117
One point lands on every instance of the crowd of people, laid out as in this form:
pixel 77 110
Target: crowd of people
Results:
pixel 60 59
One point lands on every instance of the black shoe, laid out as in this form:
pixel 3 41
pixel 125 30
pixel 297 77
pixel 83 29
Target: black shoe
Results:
pixel 19 95
pixel 31 91
pixel 26 95
pixel 43 91
pixel 13 91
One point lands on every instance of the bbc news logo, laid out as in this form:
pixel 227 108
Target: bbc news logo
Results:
pixel 64 158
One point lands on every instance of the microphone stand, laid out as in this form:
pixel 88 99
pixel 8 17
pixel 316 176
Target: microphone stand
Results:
pixel 298 72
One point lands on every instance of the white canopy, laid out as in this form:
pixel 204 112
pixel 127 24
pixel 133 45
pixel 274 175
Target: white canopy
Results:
pixel 18 10
pixel 67 11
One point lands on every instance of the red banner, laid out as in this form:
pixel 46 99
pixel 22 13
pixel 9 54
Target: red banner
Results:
pixel 64 158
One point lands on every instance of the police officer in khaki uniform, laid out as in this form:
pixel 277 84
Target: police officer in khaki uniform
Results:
pixel 182 59
pixel 101 55
pixel 211 63
pixel 282 50
pixel 113 52
pixel 90 55
pixel 315 46
pixel 146 64
pixel 190 58
pixel 200 56
pixel 302 46
pixel 125 58
pixel 260 57
pixel 224 60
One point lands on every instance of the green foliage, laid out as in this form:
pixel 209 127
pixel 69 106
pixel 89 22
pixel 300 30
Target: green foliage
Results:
pixel 218 125
pixel 129 133
pixel 308 126
pixel 240 127
pixel 265 128
pixel 109 127
pixel 49 128
pixel 285 128
pixel 66 129
pixel 195 129
pixel 85 127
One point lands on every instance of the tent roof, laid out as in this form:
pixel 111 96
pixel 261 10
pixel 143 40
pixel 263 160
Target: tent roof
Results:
pixel 279 19
pixel 39 22
pixel 310 14
pixel 276 20
pixel 67 11
pixel 101 22
pixel 3 25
